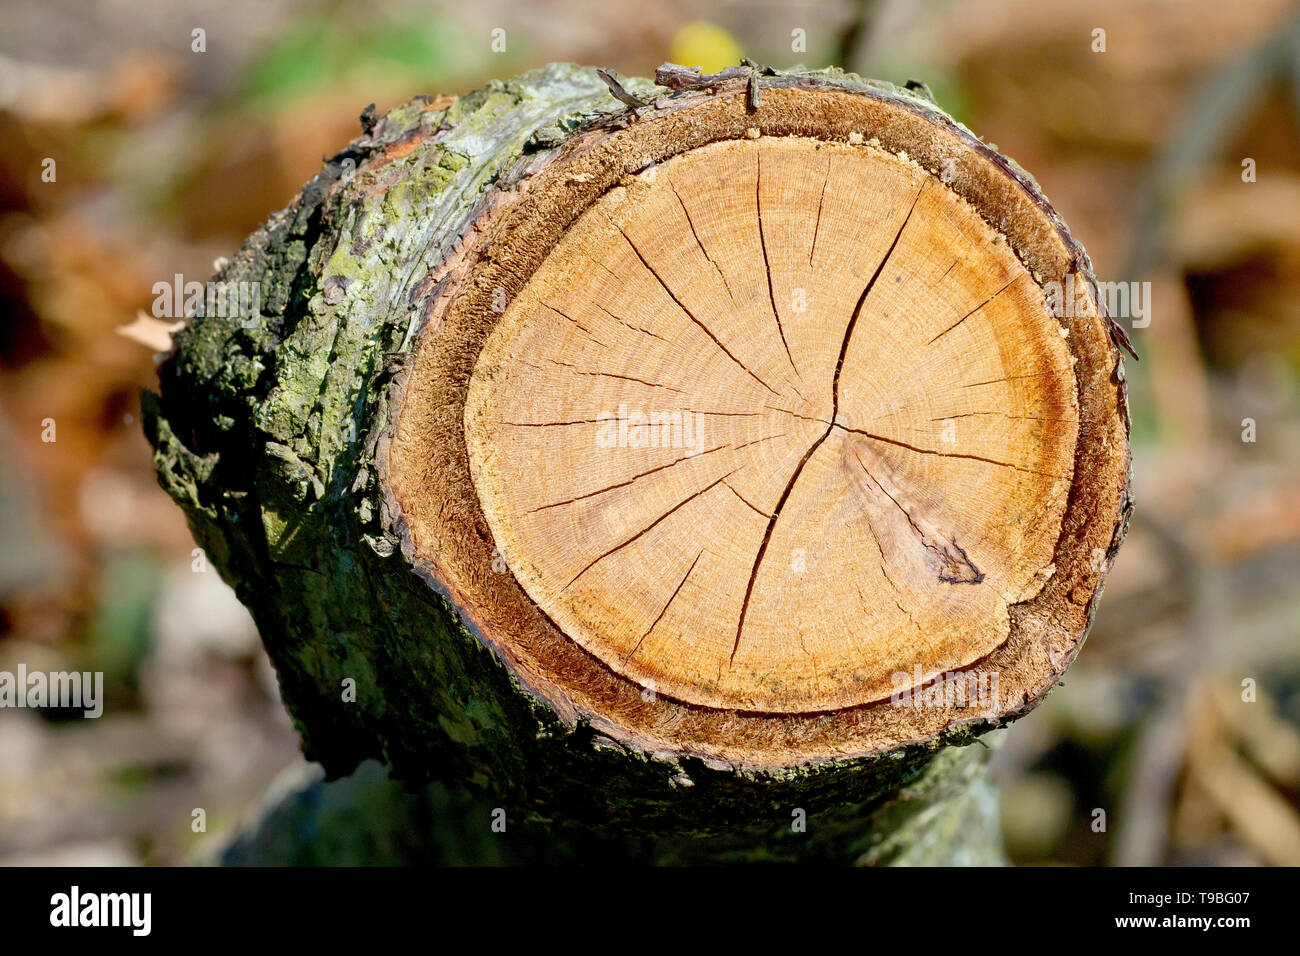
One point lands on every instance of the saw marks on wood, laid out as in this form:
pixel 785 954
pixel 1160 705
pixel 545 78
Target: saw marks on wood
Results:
pixel 774 422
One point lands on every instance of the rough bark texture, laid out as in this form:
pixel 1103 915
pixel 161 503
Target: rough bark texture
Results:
pixel 267 433
pixel 947 816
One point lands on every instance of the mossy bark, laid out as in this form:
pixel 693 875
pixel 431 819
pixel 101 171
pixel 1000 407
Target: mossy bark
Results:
pixel 947 816
pixel 265 432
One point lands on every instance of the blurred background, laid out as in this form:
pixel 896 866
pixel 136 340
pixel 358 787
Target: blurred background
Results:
pixel 1181 718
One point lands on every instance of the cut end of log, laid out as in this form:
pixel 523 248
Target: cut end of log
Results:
pixel 774 422
pixel 733 444
pixel 657 463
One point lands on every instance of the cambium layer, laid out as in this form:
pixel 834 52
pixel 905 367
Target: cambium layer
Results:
pixel 633 461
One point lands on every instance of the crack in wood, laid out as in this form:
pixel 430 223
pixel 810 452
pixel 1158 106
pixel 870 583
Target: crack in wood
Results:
pixel 948 454
pixel 650 527
pixel 624 484
pixel 700 242
pixel 689 314
pixel 614 418
pixel 755 507
pixel 626 378
pixel 1008 378
pixel 1018 418
pixel 623 321
pixel 835 399
pixel 671 598
pixel 587 331
pixel 946 558
pixel 767 263
pixel 976 309
pixel 817 228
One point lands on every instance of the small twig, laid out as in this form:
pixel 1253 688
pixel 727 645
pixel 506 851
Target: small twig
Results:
pixel 676 77
pixel 368 120
pixel 1119 335
pixel 618 92
pixel 754 95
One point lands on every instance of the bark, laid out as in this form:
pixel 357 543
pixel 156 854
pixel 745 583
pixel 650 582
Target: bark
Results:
pixel 269 433
pixel 947 816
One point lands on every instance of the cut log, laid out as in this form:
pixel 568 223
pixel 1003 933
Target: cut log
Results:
pixel 669 467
